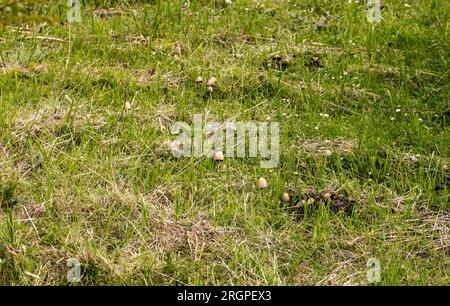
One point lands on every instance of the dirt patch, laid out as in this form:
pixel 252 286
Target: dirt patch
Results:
pixel 284 61
pixel 312 60
pixel 337 200
pixel 279 62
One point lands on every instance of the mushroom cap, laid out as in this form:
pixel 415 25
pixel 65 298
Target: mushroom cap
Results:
pixel 218 156
pixel 199 79
pixel 326 196
pixel 212 82
pixel 261 183
pixel 285 197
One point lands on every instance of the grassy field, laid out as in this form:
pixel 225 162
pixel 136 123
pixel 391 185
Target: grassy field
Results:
pixel 364 110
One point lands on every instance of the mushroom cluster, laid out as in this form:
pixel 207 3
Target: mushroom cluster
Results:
pixel 210 84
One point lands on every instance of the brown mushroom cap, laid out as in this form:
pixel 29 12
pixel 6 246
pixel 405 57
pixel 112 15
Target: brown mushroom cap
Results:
pixel 261 183
pixel 285 197
pixel 212 82
pixel 218 156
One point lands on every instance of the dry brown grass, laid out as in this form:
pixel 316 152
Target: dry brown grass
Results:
pixel 327 147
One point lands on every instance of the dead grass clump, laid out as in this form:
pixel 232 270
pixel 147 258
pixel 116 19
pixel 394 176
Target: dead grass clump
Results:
pixel 327 147
pixel 107 13
pixel 195 238
pixel 24 71
pixel 163 117
pixel 51 121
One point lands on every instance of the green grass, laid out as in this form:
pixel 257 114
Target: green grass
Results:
pixel 82 178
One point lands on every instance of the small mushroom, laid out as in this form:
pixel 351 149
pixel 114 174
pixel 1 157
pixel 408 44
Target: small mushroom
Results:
pixel 285 197
pixel 127 106
pixel 199 79
pixel 286 61
pixel 326 196
pixel 261 183
pixel 212 82
pixel 165 149
pixel 210 89
pixel 218 156
pixel 300 204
